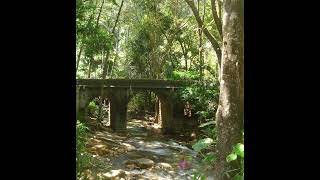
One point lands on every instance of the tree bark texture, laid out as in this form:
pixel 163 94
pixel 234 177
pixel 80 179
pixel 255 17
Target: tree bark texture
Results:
pixel 229 117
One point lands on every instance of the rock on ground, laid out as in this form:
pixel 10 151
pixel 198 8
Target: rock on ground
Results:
pixel 113 174
pixel 165 166
pixel 142 163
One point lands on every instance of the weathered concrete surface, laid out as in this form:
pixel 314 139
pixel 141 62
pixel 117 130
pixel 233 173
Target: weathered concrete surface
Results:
pixel 119 92
pixel 133 83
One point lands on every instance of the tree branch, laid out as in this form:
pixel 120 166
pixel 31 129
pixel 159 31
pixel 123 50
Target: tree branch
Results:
pixel 216 19
pixel 100 11
pixel 117 19
pixel 212 40
pixel 105 67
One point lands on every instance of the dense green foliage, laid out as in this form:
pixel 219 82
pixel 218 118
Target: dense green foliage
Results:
pixel 142 102
pixel 82 159
pixel 155 39
pixel 151 39
pixel 237 155
pixel 203 98
pixel 92 108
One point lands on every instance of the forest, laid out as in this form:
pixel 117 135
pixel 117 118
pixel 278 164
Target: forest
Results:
pixel 160 91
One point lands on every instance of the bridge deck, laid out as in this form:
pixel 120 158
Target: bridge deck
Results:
pixel 133 83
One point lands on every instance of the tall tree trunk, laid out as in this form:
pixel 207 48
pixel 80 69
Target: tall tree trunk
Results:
pixel 90 65
pixel 200 54
pixel 210 37
pixel 104 73
pixel 220 9
pixel 186 62
pixel 101 97
pixel 229 115
pixel 105 66
pixel 200 30
pixel 116 57
pixel 78 57
pixel 100 11
pixel 185 53
pixel 216 19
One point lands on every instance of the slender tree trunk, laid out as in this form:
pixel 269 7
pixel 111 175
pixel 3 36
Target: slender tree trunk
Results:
pixel 156 119
pixel 201 45
pixel 216 19
pixel 100 11
pixel 185 55
pixel 105 67
pixel 220 9
pixel 210 37
pixel 116 57
pixel 101 97
pixel 200 53
pixel 78 57
pixel 186 62
pixel 200 30
pixel 89 70
pixel 104 73
pixel 229 115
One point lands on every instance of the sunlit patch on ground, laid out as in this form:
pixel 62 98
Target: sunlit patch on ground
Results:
pixel 139 154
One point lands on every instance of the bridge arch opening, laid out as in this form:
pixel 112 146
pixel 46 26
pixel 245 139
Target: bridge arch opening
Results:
pixel 141 109
pixel 153 106
pixel 89 106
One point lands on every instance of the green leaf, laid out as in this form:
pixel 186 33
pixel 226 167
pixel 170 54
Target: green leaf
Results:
pixel 209 158
pixel 202 144
pixel 238 177
pixel 206 124
pixel 239 149
pixel 114 2
pixel 195 176
pixel 189 158
pixel 203 177
pixel 231 157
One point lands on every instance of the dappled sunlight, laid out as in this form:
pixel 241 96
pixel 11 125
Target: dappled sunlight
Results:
pixel 132 156
pixel 159 89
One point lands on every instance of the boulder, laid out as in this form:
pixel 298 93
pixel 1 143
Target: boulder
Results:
pixel 113 174
pixel 144 163
pixel 128 147
pixel 165 166
pixel 130 166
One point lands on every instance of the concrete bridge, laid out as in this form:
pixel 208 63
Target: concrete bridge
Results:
pixel 120 91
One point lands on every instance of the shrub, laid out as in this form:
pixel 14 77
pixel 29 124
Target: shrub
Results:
pixel 92 108
pixel 237 154
pixel 82 158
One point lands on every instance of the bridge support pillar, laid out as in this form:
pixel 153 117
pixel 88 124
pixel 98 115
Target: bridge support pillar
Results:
pixel 118 109
pixel 165 112
pixel 166 115
pixel 82 101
